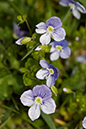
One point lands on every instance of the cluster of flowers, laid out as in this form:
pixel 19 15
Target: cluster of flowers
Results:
pixel 40 96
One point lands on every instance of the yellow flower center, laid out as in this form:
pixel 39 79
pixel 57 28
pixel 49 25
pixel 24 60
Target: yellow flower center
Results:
pixel 72 6
pixel 38 100
pixel 51 71
pixel 59 48
pixel 50 29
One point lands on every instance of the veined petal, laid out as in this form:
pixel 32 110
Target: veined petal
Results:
pixel 59 34
pixel 42 74
pixel 50 81
pixel 76 13
pixel 54 22
pixel 41 25
pixel 84 122
pixel 63 4
pixel 54 56
pixel 80 7
pixel 44 64
pixel 40 31
pixel 34 112
pixel 49 106
pixel 43 91
pixel 45 38
pixel 18 42
pixel 27 98
pixel 65 53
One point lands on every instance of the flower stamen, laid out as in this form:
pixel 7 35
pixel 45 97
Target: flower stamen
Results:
pixel 38 100
pixel 50 29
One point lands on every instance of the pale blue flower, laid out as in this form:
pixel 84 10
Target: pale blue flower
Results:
pixel 75 7
pixel 17 32
pixel 52 28
pixel 50 73
pixel 38 98
pixel 59 49
pixel 84 122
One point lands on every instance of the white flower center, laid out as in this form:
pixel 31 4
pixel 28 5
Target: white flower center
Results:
pixel 59 48
pixel 50 29
pixel 38 100
pixel 72 6
pixel 51 71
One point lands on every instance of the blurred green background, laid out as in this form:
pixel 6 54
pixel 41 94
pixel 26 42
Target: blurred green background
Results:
pixel 18 75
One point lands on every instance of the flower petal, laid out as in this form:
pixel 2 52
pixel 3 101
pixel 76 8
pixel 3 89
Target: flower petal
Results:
pixel 84 122
pixel 41 25
pixel 59 34
pixel 41 74
pixel 18 42
pixel 50 81
pixel 45 38
pixel 54 22
pixel 54 56
pixel 38 48
pixel 76 13
pixel 80 7
pixel 34 112
pixel 27 98
pixel 63 3
pixel 49 106
pixel 53 48
pixel 43 91
pixel 40 31
pixel 44 64
pixel 65 53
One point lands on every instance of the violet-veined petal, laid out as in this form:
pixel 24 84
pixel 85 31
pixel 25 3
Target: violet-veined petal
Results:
pixel 65 53
pixel 59 34
pixel 54 22
pixel 76 13
pixel 45 38
pixel 41 74
pixel 48 106
pixel 27 98
pixel 40 31
pixel 54 56
pixel 50 81
pixel 63 4
pixel 44 64
pixel 43 91
pixel 41 25
pixel 34 112
pixel 80 7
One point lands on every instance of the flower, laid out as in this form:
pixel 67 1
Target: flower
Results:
pixel 84 122
pixel 52 28
pixel 17 32
pixel 38 98
pixel 50 73
pixel 75 7
pixel 59 49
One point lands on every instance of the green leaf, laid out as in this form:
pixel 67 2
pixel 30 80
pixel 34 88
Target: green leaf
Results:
pixel 48 121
